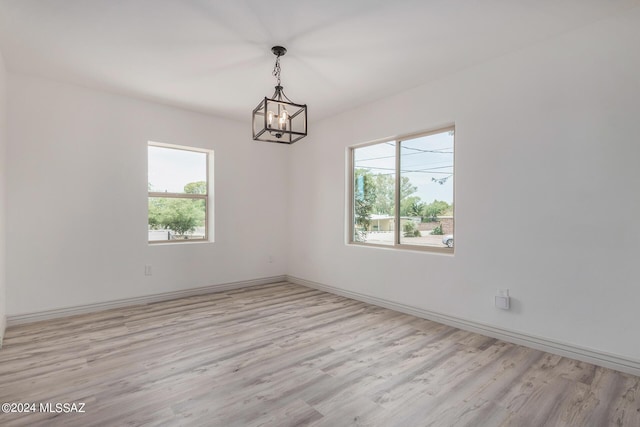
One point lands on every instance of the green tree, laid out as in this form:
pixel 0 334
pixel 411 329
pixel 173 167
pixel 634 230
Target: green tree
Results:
pixel 437 230
pixel 435 208
pixel 409 228
pixel 183 215
pixel 376 194
pixel 385 189
pixel 412 206
pixel 157 206
pixel 406 188
pixel 179 215
pixel 199 187
pixel 364 198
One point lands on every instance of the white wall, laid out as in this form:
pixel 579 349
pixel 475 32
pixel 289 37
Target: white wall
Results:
pixel 77 199
pixel 3 205
pixel 546 149
pixel 547 184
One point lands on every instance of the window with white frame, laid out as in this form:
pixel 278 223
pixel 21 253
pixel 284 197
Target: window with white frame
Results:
pixel 179 188
pixel 401 192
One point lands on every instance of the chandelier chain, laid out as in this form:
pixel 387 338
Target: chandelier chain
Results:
pixel 276 70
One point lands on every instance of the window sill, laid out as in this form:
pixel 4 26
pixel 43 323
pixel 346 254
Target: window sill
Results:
pixel 179 242
pixel 409 248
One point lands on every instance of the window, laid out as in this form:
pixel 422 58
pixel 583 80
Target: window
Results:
pixel 402 192
pixel 178 184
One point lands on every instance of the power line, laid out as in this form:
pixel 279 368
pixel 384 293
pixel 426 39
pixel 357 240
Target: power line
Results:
pixel 422 150
pixel 411 171
pixel 435 167
pixel 393 156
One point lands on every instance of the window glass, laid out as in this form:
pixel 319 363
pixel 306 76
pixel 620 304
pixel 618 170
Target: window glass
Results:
pixel 374 193
pixel 402 192
pixel 178 194
pixel 170 169
pixel 177 219
pixel 426 196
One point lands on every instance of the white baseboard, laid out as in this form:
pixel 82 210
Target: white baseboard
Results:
pixel 90 308
pixel 596 357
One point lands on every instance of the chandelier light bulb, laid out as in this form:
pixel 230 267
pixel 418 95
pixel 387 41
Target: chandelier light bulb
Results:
pixel 284 116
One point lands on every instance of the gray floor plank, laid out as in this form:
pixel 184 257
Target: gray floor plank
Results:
pixel 286 355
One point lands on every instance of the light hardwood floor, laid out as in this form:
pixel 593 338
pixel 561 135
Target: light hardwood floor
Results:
pixel 286 355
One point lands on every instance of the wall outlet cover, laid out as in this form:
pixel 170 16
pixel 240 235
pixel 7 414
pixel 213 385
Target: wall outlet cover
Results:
pixel 502 302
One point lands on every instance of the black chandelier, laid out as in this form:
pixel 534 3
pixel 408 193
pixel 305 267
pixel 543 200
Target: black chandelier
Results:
pixel 277 119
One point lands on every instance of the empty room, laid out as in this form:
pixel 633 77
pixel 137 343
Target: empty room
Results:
pixel 337 213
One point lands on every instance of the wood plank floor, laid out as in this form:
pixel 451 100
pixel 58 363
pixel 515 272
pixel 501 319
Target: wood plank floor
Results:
pixel 286 355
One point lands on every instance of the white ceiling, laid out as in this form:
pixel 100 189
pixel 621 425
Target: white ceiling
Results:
pixel 214 56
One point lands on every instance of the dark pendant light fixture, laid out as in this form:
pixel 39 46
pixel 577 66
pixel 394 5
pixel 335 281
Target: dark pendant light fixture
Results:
pixel 277 119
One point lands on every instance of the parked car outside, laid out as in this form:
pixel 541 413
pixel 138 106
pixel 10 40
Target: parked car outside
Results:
pixel 448 240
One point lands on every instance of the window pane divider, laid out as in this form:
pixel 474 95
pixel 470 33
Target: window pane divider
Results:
pixel 396 201
pixel 178 195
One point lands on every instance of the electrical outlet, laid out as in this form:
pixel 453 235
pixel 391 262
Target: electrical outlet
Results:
pixel 147 270
pixel 501 300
